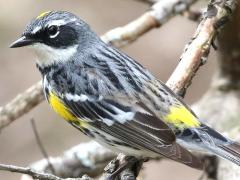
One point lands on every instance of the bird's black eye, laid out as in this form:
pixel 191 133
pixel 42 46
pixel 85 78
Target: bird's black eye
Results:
pixel 52 31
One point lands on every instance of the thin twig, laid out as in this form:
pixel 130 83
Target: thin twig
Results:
pixel 159 14
pixel 148 1
pixel 193 15
pixel 86 158
pixel 29 171
pixel 41 147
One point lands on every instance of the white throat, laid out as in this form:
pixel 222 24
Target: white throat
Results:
pixel 47 55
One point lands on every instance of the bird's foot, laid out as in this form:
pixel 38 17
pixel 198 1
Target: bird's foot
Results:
pixel 126 167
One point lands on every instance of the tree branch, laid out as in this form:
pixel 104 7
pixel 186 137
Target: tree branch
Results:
pixel 220 105
pixel 31 172
pixel 148 1
pixel 160 13
pixel 196 51
pixel 86 158
pixel 125 175
pixel 21 104
pixel 194 15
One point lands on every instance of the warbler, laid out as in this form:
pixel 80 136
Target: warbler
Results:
pixel 112 98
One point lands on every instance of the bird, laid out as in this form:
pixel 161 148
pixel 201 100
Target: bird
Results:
pixel 110 97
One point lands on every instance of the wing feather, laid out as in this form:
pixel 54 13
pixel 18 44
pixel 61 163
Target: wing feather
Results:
pixel 143 131
pixel 146 140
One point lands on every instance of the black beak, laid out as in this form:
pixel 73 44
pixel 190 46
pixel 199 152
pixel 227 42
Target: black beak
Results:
pixel 22 41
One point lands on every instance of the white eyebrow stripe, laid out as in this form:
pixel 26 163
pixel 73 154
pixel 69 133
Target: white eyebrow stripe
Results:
pixel 61 22
pixel 57 22
pixel 36 29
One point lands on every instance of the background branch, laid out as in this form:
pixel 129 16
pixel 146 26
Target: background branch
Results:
pixel 41 147
pixel 125 175
pixel 21 104
pixel 220 105
pixel 86 158
pixel 148 1
pixel 31 172
pixel 196 52
pixel 159 14
pixel 194 15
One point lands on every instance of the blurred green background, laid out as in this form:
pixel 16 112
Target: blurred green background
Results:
pixel 158 50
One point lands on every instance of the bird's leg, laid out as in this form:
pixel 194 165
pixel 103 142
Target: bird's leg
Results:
pixel 137 166
pixel 123 163
pixel 112 166
pixel 211 164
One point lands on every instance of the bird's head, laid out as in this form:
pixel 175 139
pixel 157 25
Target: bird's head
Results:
pixel 55 36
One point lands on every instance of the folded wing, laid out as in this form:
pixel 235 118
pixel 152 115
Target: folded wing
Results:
pixel 131 122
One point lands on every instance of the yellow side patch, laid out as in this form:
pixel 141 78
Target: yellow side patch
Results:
pixel 181 117
pixel 63 111
pixel 60 108
pixel 43 14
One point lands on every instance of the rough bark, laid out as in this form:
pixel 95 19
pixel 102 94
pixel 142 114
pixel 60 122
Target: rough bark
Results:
pixel 220 106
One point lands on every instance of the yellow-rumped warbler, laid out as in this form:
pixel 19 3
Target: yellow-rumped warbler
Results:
pixel 110 97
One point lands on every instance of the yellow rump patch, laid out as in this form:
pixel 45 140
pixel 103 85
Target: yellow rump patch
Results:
pixel 43 14
pixel 181 117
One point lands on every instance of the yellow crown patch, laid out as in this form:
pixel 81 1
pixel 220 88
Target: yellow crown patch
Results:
pixel 43 14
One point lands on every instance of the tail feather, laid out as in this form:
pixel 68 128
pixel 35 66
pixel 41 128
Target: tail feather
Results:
pixel 184 156
pixel 220 145
pixel 230 151
pixel 207 139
